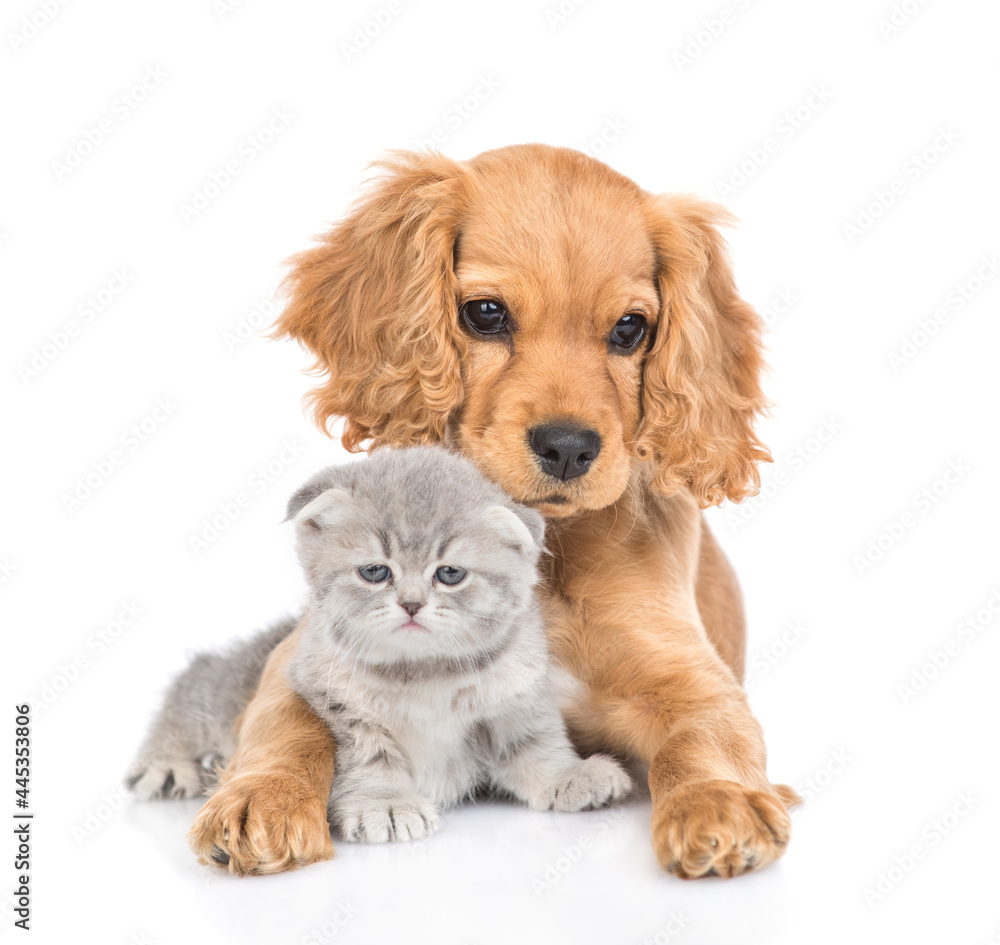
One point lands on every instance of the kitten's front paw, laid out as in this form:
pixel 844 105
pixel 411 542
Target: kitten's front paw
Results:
pixel 594 782
pixel 380 820
pixel 171 778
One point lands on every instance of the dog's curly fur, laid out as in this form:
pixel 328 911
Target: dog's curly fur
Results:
pixel 642 609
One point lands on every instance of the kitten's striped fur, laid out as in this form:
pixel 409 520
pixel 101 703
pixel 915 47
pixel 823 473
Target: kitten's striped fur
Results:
pixel 423 716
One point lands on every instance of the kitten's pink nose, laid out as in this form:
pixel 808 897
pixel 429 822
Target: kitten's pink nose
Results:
pixel 411 606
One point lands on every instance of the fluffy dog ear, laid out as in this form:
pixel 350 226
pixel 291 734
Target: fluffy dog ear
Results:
pixel 375 303
pixel 701 383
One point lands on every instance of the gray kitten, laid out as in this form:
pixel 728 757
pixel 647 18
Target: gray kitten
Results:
pixel 423 649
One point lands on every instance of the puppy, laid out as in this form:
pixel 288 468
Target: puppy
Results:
pixel 582 341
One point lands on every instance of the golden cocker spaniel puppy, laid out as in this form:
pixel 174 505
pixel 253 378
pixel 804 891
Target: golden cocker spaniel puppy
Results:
pixel 582 341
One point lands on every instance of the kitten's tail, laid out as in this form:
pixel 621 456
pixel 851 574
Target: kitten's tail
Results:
pixel 193 731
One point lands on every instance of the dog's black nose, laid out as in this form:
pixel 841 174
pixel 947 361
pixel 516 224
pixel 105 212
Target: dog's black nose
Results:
pixel 565 452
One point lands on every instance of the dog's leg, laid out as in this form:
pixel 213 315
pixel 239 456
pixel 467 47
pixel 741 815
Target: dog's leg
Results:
pixel 720 604
pixel 655 687
pixel 269 812
pixel 714 810
pixel 677 707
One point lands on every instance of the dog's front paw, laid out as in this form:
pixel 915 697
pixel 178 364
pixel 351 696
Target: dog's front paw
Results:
pixel 593 782
pixel 262 824
pixel 170 778
pixel 720 828
pixel 380 820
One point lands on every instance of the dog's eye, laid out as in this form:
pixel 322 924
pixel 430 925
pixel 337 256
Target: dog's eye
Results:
pixel 449 575
pixel 485 316
pixel 374 573
pixel 629 330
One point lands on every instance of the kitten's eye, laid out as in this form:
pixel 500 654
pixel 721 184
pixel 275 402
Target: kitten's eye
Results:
pixel 449 575
pixel 374 573
pixel 485 316
pixel 629 330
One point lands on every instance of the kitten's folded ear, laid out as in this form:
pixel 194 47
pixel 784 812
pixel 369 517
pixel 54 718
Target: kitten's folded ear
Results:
pixel 521 527
pixel 327 508
pixel 330 478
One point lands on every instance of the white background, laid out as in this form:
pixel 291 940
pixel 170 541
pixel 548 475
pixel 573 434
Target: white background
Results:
pixel 833 636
